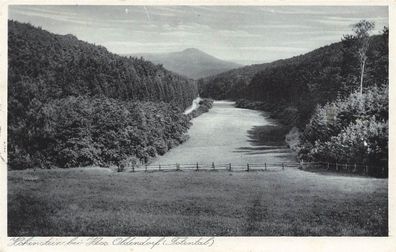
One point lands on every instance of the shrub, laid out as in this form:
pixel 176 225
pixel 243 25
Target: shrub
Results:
pixel 351 130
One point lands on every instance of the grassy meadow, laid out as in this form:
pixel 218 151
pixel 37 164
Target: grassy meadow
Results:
pixel 99 202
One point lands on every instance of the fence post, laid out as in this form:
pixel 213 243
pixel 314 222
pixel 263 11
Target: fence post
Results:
pixel 213 166
pixel 229 168
pixel 346 166
pixel 159 167
pixel 283 166
pixel 336 166
pixel 354 169
pixel 197 167
pixel 328 166
pixel 247 167
pixel 265 166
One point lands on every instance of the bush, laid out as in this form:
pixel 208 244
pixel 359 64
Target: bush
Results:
pixel 127 163
pixel 351 130
pixel 204 106
pixel 363 141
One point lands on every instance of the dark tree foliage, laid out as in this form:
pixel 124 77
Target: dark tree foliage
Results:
pixel 45 66
pixel 50 124
pixel 81 131
pixel 350 130
pixel 204 106
pixel 228 85
pixel 302 82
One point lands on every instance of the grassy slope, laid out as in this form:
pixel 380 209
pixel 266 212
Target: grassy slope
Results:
pixel 99 202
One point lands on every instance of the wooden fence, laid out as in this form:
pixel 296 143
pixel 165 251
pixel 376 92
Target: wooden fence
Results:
pixel 212 167
pixel 354 168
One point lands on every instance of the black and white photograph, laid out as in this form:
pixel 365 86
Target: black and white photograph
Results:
pixel 196 121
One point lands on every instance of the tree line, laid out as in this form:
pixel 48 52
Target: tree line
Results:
pixel 72 103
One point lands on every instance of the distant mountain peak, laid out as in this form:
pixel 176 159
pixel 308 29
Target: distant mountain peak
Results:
pixel 190 62
pixel 191 49
pixel 194 52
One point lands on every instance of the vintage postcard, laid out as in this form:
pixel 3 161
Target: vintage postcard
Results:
pixel 200 126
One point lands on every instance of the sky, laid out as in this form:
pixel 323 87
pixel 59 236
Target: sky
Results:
pixel 243 34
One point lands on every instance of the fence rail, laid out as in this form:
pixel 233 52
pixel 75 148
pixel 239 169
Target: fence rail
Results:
pixel 355 168
pixel 209 167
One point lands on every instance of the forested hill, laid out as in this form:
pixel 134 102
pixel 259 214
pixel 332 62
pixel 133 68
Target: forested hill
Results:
pixel 297 84
pixel 71 103
pixel 227 85
pixel 47 66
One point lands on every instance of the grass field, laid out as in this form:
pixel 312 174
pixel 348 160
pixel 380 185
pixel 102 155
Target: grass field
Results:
pixel 98 202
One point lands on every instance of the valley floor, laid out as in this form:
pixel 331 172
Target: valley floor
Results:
pixel 99 202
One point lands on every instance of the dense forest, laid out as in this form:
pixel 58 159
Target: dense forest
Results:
pixel 297 84
pixel 228 85
pixel 297 90
pixel 72 103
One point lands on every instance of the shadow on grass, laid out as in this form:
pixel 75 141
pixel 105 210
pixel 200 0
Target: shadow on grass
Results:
pixel 268 139
pixel 269 136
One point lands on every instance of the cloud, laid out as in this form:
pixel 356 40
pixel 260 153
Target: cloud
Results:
pixel 274 48
pixel 277 26
pixel 293 10
pixel 55 17
pixel 318 33
pixel 34 9
pixel 349 21
pixel 237 34
pixel 133 43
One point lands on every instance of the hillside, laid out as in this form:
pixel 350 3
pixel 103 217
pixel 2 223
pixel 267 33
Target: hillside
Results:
pixel 231 84
pixel 73 67
pixel 227 85
pixel 191 62
pixel 294 86
pixel 72 103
